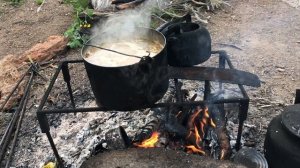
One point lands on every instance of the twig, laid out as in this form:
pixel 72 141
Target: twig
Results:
pixel 198 17
pixel 266 106
pixel 158 17
pixel 229 45
pixel 40 7
pixel 198 3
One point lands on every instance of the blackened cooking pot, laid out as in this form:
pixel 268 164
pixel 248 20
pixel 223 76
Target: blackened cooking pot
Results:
pixel 188 44
pixel 133 86
pixel 282 143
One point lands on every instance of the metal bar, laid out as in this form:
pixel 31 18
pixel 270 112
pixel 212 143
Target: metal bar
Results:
pixel 232 76
pixel 224 55
pixel 50 139
pixel 243 111
pixel 45 97
pixel 73 61
pixel 297 98
pixel 102 109
pixel 222 62
pixel 19 125
pixel 244 105
pixel 207 90
pixel 14 89
pixel 67 79
pixel 8 132
pixel 179 97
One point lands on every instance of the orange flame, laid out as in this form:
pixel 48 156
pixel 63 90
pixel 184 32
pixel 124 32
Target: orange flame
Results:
pixel 195 114
pixel 212 123
pixel 222 154
pixel 197 124
pixel 149 143
pixel 199 132
pixel 206 114
pixel 193 149
pixel 198 138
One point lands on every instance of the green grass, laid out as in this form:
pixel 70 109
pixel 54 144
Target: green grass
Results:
pixel 15 2
pixel 39 2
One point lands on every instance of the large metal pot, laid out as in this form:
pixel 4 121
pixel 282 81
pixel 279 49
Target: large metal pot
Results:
pixel 134 86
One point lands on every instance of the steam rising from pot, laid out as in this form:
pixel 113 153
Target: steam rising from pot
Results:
pixel 124 24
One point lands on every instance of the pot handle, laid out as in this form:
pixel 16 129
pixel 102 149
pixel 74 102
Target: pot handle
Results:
pixel 145 64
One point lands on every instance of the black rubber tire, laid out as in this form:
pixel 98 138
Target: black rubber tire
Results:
pixel 282 150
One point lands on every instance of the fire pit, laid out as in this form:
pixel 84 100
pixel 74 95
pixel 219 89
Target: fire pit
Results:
pixel 192 73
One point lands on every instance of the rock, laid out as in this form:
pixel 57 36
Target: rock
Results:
pixel 280 69
pixel 46 50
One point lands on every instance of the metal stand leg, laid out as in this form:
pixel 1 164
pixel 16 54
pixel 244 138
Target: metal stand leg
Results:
pixel 44 124
pixel 59 161
pixel 207 90
pixel 297 99
pixel 242 117
pixel 67 79
pixel 222 61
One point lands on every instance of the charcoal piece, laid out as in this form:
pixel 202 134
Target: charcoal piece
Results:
pixel 115 140
pixel 173 126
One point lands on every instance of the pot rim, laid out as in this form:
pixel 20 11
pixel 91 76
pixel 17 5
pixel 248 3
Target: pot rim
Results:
pixel 125 66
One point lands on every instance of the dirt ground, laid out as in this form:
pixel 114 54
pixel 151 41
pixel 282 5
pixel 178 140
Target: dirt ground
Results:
pixel 21 27
pixel 268 32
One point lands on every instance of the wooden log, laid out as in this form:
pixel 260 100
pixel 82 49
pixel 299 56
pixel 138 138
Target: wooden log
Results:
pixel 129 5
pixel 147 130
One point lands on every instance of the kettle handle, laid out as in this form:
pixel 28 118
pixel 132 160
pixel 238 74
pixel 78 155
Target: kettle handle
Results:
pixel 163 28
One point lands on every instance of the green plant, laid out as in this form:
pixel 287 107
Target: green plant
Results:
pixel 15 2
pixel 80 7
pixel 39 2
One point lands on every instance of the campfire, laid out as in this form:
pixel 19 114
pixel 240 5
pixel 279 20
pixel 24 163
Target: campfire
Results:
pixel 154 81
pixel 198 124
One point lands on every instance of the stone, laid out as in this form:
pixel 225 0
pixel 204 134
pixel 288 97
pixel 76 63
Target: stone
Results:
pixel 45 51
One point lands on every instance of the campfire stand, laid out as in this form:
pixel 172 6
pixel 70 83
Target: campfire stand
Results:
pixel 63 67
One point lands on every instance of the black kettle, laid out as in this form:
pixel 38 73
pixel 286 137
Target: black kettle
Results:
pixel 188 43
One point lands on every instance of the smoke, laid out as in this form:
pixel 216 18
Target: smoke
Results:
pixel 125 24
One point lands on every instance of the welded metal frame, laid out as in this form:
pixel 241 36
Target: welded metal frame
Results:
pixel 63 67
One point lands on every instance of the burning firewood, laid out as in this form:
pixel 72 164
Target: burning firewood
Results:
pixel 147 130
pixel 223 138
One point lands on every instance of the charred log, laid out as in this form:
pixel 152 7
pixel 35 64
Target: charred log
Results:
pixel 221 131
pixel 146 131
